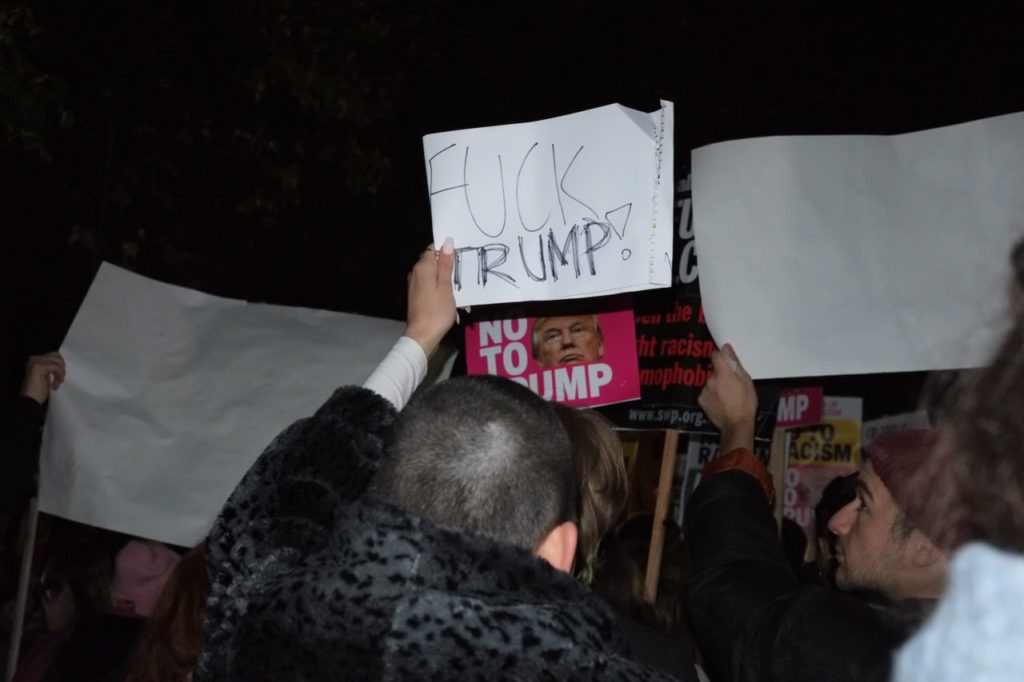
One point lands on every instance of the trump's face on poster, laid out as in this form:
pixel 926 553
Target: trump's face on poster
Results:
pixel 567 340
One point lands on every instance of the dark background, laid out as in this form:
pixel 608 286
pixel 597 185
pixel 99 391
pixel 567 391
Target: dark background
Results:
pixel 271 150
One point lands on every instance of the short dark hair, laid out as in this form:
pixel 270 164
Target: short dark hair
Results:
pixel 482 454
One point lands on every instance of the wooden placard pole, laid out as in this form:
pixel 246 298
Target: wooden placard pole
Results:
pixel 668 467
pixel 777 467
pixel 21 601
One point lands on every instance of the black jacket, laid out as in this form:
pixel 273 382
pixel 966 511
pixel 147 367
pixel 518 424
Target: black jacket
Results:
pixel 20 422
pixel 311 579
pixel 658 651
pixel 751 617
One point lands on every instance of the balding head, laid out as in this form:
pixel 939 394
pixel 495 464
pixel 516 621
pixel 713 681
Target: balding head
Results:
pixel 482 454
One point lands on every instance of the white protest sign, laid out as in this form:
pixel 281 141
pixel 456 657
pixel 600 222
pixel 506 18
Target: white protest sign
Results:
pixel 579 205
pixel 171 394
pixel 828 255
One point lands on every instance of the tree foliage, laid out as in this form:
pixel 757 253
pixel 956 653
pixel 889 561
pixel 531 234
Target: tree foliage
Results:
pixel 239 146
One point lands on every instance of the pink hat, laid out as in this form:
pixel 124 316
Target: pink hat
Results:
pixel 140 570
pixel 915 471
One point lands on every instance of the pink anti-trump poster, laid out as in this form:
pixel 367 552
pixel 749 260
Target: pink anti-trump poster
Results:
pixel 581 360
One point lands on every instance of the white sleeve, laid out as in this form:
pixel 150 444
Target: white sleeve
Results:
pixel 399 373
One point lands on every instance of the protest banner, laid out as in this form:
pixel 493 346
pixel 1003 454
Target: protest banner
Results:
pixel 860 254
pixel 696 450
pixel 579 359
pixel 819 453
pixel 171 394
pixel 800 407
pixel 567 207
pixel 674 346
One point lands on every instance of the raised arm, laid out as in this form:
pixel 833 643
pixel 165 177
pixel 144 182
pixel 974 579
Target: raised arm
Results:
pixel 431 305
pixel 729 400
pixel 20 420
pixel 430 314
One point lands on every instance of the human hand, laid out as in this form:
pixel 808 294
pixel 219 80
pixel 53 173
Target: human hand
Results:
pixel 431 307
pixel 729 400
pixel 43 373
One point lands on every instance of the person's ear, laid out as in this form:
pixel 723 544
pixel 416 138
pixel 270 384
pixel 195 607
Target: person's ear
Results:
pixel 924 553
pixel 558 547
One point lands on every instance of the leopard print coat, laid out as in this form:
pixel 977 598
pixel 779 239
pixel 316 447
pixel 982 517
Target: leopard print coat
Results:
pixel 312 579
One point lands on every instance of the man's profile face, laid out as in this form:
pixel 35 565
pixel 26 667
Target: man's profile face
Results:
pixel 870 553
pixel 568 340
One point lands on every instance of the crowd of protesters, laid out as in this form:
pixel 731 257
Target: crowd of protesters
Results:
pixel 472 530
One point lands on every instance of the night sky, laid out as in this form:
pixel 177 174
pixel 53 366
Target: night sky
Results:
pixel 137 176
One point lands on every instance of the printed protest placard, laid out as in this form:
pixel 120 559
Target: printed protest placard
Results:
pixel 800 407
pixel 696 450
pixel 578 359
pixel 819 453
pixel 674 346
pixel 567 207
pixel 674 351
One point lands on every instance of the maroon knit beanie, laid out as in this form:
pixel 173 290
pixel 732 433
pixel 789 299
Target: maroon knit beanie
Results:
pixel 913 466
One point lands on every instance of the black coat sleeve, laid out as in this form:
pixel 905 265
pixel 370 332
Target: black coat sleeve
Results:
pixel 286 503
pixel 290 494
pixel 20 421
